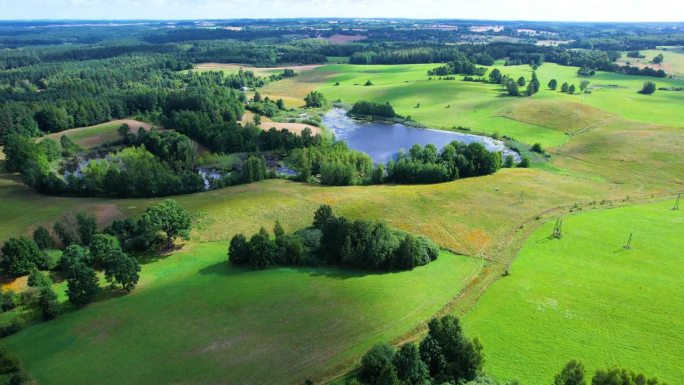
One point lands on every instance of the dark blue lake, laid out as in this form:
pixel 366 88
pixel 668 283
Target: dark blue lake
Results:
pixel 383 141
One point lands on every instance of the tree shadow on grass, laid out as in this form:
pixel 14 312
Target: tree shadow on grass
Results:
pixel 157 255
pixel 225 268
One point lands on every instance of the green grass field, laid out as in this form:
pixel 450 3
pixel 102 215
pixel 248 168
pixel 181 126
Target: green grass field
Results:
pixel 196 320
pixel 544 118
pixel 586 297
pixel 93 136
pixel 200 320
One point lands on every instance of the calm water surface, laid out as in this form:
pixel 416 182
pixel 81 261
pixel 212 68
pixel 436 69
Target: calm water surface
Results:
pixel 383 141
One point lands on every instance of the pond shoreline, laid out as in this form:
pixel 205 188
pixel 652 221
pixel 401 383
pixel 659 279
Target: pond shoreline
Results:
pixel 383 139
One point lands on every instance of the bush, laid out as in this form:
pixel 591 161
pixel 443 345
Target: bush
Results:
pixel 649 88
pixel 537 147
pixel 315 99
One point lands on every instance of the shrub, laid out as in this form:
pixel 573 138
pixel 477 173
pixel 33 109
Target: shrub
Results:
pixel 537 147
pixel 648 88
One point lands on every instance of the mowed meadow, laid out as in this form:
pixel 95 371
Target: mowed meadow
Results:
pixel 194 316
pixel 585 296
pixel 204 320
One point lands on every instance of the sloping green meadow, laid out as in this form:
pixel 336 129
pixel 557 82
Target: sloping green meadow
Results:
pixel 196 320
pixel 586 297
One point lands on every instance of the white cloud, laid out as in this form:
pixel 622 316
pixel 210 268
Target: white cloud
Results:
pixel 580 10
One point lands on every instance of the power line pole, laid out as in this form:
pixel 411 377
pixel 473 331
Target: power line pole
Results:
pixel 558 229
pixel 628 245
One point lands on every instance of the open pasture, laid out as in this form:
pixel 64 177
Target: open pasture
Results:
pixel 207 321
pixel 93 136
pixel 549 117
pixel 586 297
pixel 231 68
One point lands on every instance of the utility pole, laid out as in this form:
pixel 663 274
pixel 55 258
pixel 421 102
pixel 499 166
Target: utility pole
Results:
pixel 628 245
pixel 558 229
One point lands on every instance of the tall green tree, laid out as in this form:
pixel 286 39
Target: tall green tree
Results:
pixel 20 256
pixel 375 361
pixel 168 218
pixel 43 239
pixel 123 270
pixel 411 370
pixel 495 76
pixel 571 374
pixel 87 226
pixel 553 84
pixel 82 284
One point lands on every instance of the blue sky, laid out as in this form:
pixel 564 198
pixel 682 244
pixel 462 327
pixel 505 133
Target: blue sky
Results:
pixel 576 10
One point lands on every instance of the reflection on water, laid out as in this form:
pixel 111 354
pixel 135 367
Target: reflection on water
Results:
pixel 383 141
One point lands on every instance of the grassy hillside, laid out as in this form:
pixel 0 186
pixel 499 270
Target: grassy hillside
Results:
pixel 93 136
pixel 545 118
pixel 586 297
pixel 206 322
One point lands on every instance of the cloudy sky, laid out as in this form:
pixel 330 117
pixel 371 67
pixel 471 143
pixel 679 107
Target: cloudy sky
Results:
pixel 576 10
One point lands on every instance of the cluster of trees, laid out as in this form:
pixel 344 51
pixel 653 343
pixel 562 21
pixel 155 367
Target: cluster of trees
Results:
pixel 315 99
pixel 11 370
pixel 373 109
pixel 570 88
pixel 87 250
pixel 461 65
pixel 455 160
pixel 337 164
pixel 265 106
pixel 573 373
pixel 334 240
pixel 444 356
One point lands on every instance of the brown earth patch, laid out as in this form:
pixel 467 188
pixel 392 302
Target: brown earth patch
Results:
pixel 341 39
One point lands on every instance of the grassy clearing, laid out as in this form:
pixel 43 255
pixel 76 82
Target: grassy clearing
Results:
pixel 586 297
pixel 206 322
pixel 232 68
pixel 673 63
pixel 93 136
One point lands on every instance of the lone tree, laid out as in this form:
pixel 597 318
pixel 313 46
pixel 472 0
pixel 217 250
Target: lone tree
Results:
pixel 553 84
pixel 169 218
pixel 658 59
pixel 495 76
pixel 571 374
pixel 648 89
pixel 583 85
pixel 571 90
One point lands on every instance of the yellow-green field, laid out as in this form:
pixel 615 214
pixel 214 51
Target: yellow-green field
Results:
pixel 93 136
pixel 613 147
pixel 586 297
